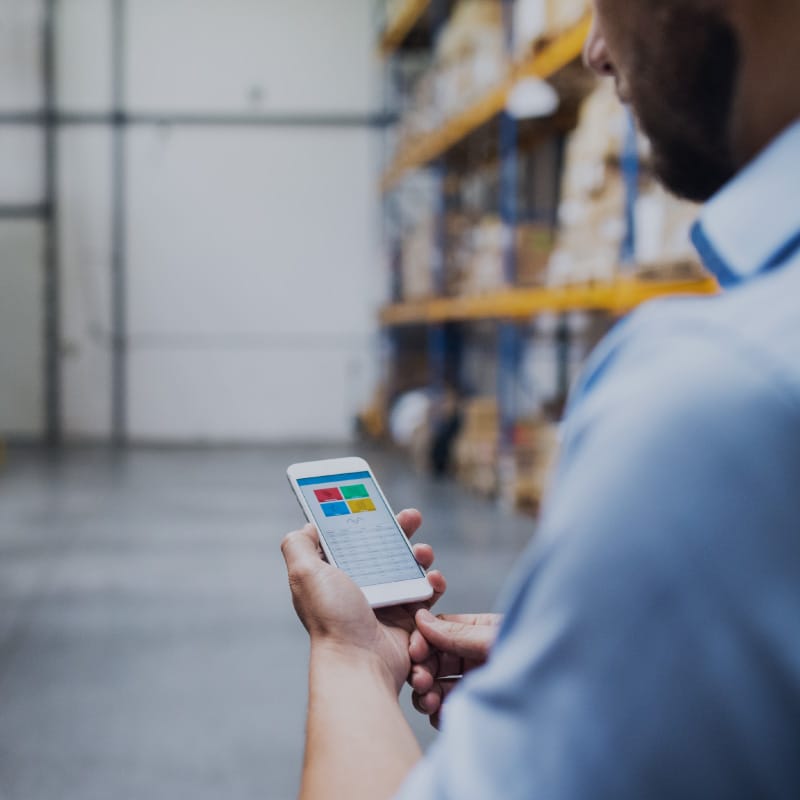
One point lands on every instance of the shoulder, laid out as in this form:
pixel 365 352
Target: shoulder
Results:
pixel 675 436
pixel 684 360
pixel 741 344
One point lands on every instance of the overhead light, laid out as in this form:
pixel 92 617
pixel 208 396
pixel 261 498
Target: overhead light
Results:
pixel 531 98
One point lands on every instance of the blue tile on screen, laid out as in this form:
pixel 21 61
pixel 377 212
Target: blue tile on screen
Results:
pixel 335 509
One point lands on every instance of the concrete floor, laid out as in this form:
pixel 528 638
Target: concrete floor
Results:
pixel 148 648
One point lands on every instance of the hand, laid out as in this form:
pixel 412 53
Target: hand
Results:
pixel 442 648
pixel 335 612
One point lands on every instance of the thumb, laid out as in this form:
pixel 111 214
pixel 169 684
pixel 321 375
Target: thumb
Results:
pixel 455 637
pixel 301 551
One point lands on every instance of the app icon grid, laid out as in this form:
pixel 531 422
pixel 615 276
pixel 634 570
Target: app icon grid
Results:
pixel 340 501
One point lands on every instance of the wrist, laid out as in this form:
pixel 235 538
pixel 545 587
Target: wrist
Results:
pixel 345 657
pixel 358 743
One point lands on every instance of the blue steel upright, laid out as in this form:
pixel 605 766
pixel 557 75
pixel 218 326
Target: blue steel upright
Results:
pixel 630 176
pixel 437 339
pixel 508 336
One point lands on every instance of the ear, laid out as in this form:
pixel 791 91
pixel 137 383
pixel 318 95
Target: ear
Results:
pixel 595 52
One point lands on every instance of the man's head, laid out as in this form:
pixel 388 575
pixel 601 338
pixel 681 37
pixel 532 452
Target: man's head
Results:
pixel 694 73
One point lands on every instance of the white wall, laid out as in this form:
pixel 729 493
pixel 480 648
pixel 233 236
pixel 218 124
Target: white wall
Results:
pixel 84 194
pixel 249 308
pixel 20 59
pixel 21 353
pixel 252 252
pixel 233 55
pixel 21 319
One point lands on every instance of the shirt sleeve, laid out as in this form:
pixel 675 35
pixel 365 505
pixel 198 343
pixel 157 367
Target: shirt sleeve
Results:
pixel 639 619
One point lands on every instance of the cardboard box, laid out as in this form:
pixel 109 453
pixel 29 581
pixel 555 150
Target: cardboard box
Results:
pixel 592 215
pixel 535 453
pixel 535 243
pixel 417 260
pixel 475 452
pixel 482 263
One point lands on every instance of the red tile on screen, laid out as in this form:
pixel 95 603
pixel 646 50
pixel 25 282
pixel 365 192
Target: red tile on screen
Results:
pixel 326 495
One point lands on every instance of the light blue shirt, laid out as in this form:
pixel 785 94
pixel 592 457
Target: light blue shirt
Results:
pixel 651 646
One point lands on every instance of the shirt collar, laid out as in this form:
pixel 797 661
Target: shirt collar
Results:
pixel 754 221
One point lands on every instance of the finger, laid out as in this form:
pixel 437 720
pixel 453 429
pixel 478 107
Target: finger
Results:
pixel 301 551
pixel 421 652
pixel 439 586
pixel 421 680
pixel 438 667
pixel 423 676
pixel 424 555
pixel 476 620
pixel 436 717
pixel 455 636
pixel 415 698
pixel 429 702
pixel 409 519
pixel 418 647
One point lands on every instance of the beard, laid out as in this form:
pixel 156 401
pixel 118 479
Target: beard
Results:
pixel 682 90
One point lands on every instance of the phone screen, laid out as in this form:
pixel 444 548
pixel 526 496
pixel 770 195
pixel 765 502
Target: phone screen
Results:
pixel 359 529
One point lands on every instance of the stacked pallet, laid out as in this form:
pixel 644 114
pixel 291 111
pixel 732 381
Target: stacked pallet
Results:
pixel 475 454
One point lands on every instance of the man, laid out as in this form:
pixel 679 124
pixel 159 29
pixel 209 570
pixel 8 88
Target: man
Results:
pixel 651 641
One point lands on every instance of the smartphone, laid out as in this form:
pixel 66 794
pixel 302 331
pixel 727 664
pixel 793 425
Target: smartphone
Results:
pixel 358 530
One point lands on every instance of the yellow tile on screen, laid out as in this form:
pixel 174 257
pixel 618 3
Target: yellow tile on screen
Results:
pixel 357 506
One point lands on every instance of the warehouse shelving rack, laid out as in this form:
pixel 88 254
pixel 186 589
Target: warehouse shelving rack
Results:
pixel 544 64
pixel 617 298
pixel 401 24
pixel 511 307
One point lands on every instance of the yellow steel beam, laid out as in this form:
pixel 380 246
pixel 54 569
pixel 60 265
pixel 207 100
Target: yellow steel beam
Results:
pixel 544 64
pixel 406 313
pixel 401 25
pixel 559 53
pixel 616 298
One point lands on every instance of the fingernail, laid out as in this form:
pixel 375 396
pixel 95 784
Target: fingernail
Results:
pixel 423 615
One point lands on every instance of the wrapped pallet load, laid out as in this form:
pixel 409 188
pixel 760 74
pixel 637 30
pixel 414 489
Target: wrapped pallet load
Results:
pixel 592 214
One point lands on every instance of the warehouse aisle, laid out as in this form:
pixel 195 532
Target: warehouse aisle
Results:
pixel 148 648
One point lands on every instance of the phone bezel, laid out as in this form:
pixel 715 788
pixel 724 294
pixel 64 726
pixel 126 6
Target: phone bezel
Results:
pixel 381 594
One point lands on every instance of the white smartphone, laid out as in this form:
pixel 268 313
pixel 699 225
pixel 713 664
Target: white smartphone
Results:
pixel 358 530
